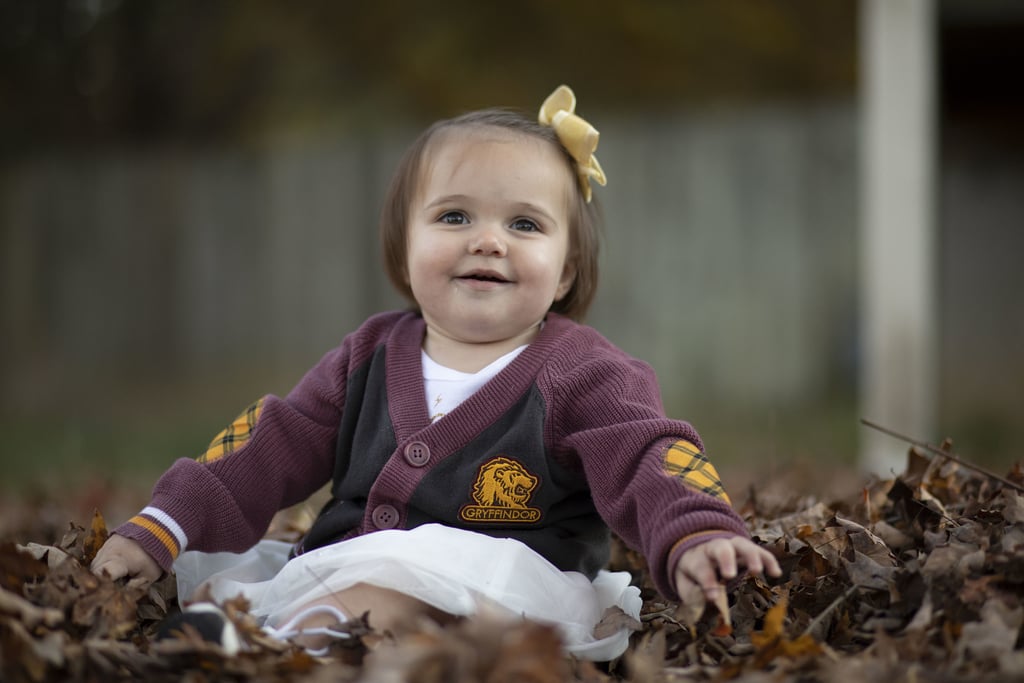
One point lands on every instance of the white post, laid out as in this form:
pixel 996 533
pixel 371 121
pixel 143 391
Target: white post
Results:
pixel 897 278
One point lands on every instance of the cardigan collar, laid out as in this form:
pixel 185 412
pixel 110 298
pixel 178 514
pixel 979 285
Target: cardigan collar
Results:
pixel 407 402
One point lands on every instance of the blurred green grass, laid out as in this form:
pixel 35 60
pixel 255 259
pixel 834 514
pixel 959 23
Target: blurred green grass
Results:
pixel 51 457
pixel 53 454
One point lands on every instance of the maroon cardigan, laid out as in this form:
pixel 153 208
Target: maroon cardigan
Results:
pixel 568 438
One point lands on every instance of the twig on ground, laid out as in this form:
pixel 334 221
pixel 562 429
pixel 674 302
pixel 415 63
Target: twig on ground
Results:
pixel 945 454
pixel 831 608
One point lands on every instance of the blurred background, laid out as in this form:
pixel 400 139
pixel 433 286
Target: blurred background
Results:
pixel 189 195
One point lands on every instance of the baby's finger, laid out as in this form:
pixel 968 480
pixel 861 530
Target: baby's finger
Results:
pixel 691 600
pixel 703 574
pixel 113 569
pixel 723 555
pixel 139 582
pixel 760 561
pixel 752 557
pixel 687 589
pixel 151 572
pixel 771 563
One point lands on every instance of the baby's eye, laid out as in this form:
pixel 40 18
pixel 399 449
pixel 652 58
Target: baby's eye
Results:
pixel 525 225
pixel 453 218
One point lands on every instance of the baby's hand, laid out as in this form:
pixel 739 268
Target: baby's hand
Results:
pixel 122 556
pixel 705 567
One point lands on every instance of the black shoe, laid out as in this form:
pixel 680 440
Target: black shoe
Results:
pixel 209 620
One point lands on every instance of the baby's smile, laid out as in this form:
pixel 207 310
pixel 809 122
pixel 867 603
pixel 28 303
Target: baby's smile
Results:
pixel 484 278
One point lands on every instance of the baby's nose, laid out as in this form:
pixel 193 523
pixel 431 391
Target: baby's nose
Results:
pixel 488 241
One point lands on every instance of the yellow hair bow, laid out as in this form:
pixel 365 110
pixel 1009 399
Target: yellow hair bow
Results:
pixel 577 136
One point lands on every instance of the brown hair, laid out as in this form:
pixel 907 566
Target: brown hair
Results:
pixel 584 218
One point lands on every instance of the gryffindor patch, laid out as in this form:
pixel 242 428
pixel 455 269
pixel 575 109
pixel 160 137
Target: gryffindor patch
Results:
pixel 502 493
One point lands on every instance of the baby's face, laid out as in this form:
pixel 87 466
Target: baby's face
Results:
pixel 488 235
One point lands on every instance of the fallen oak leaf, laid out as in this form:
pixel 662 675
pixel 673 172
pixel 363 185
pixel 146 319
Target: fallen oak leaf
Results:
pixel 976 592
pixel 51 555
pixel 62 586
pixel 71 542
pixel 917 515
pixel 94 538
pixel 646 660
pixel 828 613
pixel 911 635
pixel 692 605
pixel 126 656
pixel 753 598
pixel 810 567
pixel 771 643
pixel 893 538
pixel 531 652
pixel 1013 507
pixel 994 636
pixel 18 566
pixel 27 613
pixel 794 524
pixel 865 572
pixel 773 624
pixel 484 647
pixel 107 610
pixel 724 626
pixel 922 619
pixel 953 559
pixel 35 657
pixel 614 620
pixel 832 543
pixel 296 663
pixel 867 542
pixel 163 592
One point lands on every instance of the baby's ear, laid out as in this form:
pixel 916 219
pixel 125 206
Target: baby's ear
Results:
pixel 566 281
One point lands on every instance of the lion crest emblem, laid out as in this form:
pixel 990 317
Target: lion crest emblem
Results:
pixel 502 493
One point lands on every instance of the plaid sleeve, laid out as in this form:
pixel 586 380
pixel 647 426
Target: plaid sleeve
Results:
pixel 685 461
pixel 235 435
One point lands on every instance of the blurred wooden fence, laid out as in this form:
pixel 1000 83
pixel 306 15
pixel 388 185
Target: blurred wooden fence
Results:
pixel 729 259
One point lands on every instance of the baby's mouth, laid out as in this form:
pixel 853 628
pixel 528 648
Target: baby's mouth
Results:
pixel 484 276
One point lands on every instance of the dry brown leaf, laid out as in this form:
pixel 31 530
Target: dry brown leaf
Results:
pixel 991 638
pixel 863 571
pixel 724 625
pixel 614 620
pixel 1013 506
pixel 22 658
pixel 94 538
pixel 487 647
pixel 51 555
pixel 892 537
pixel 930 558
pixel 28 614
pixel 772 643
pixel 773 624
pixel 646 661
pixel 832 543
pixel 107 611
pixel 18 566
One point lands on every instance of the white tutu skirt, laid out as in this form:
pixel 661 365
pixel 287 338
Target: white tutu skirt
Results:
pixel 457 571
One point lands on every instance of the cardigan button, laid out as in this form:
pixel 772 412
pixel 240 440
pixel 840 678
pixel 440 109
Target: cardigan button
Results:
pixel 417 454
pixel 385 517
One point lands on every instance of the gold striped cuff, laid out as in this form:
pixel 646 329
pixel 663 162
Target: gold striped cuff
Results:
pixel 161 534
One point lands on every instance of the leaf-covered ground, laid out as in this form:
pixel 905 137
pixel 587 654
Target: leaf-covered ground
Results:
pixel 917 578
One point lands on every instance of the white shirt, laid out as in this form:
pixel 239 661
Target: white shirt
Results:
pixel 447 388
